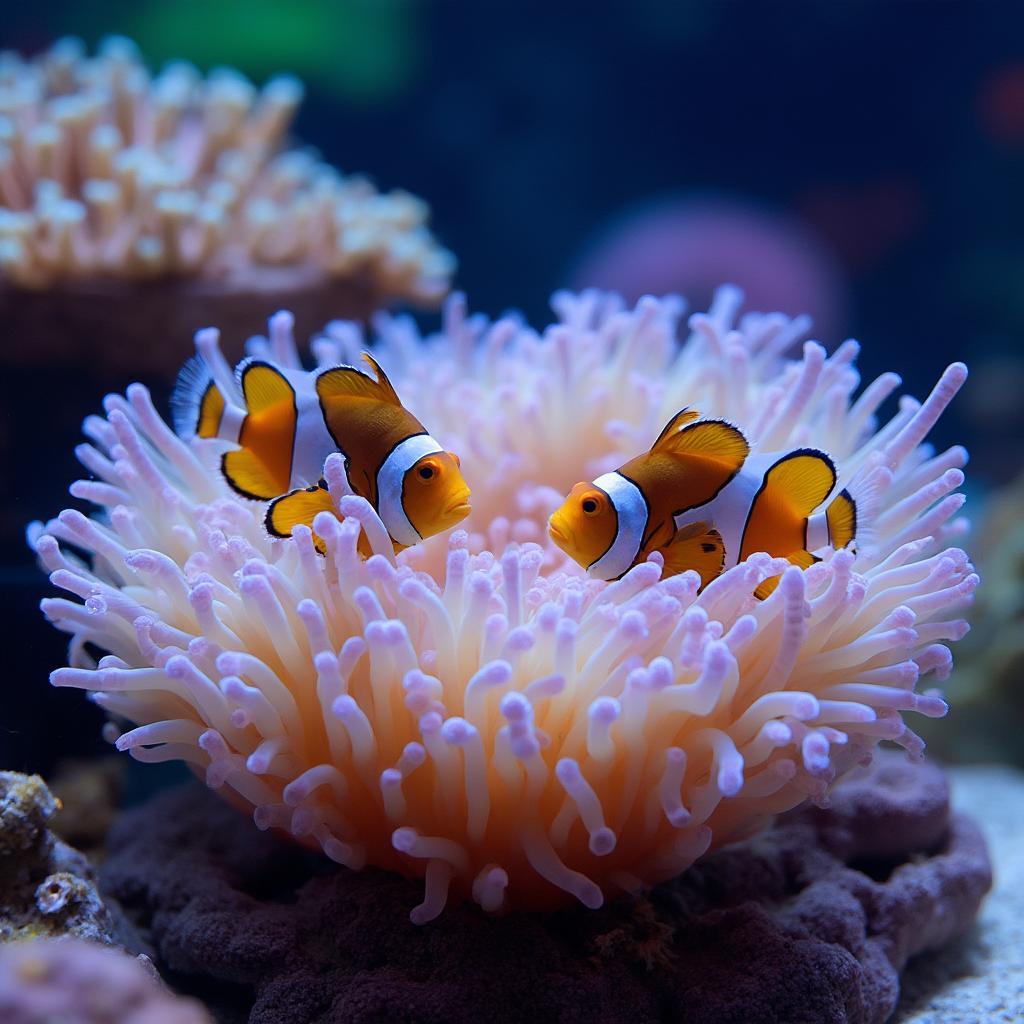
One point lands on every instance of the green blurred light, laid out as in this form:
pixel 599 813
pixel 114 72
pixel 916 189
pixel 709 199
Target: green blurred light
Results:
pixel 361 51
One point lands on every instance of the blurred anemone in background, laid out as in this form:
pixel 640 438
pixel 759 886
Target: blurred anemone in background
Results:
pixel 687 244
pixel 985 689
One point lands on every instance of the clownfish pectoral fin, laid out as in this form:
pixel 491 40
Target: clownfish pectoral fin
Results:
pixel 791 490
pixel 263 385
pixel 658 536
pixel 197 405
pixel 841 517
pixel 348 382
pixel 695 547
pixel 300 506
pixel 675 424
pixel 766 588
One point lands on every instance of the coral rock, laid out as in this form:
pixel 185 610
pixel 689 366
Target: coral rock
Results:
pixel 74 982
pixel 47 887
pixel 810 921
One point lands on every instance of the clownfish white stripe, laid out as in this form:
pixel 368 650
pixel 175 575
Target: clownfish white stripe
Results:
pixel 390 479
pixel 231 423
pixel 631 509
pixel 817 532
pixel 313 441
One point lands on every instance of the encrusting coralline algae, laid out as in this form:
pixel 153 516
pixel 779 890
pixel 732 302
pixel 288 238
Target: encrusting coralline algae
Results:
pixel 475 711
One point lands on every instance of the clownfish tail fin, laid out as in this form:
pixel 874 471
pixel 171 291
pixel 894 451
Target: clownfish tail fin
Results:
pixel 841 517
pixel 852 514
pixel 197 405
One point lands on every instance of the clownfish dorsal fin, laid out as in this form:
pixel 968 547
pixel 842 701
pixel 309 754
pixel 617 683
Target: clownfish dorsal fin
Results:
pixel 382 379
pixel 261 467
pixel 791 490
pixel 704 458
pixel 263 386
pixel 709 440
pixel 250 476
pixel 675 424
pixel 348 382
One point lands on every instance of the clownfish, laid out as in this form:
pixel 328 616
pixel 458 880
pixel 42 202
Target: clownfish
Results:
pixel 293 420
pixel 701 500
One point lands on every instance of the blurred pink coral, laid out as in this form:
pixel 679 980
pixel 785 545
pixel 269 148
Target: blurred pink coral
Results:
pixel 106 171
pixel 476 712
pixel 67 981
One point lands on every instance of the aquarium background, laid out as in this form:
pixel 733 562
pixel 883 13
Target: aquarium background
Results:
pixel 862 161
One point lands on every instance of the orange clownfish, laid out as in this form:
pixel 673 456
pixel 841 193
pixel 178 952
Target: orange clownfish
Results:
pixel 701 500
pixel 293 420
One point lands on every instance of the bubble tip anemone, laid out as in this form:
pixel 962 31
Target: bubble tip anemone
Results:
pixel 475 712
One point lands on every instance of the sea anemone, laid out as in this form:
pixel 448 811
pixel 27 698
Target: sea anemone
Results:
pixel 109 174
pixel 475 711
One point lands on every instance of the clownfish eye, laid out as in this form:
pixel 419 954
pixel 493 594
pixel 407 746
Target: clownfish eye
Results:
pixel 589 506
pixel 426 472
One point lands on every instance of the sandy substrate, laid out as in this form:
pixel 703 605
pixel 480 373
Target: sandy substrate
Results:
pixel 979 979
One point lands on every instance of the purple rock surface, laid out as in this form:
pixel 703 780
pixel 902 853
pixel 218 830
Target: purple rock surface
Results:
pixel 811 921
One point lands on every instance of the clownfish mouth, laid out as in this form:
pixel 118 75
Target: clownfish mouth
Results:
pixel 562 539
pixel 456 512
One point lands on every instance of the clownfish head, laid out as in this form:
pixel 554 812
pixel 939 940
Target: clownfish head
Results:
pixel 434 494
pixel 586 524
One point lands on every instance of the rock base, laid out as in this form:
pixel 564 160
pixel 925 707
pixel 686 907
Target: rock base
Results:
pixel 810 922
pixel 47 889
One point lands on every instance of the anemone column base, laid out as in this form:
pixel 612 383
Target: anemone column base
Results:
pixel 117 328
pixel 812 920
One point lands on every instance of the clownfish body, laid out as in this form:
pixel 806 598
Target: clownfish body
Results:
pixel 701 501
pixel 293 420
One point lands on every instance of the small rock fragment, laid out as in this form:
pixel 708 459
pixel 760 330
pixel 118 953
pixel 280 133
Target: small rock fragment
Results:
pixel 68 981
